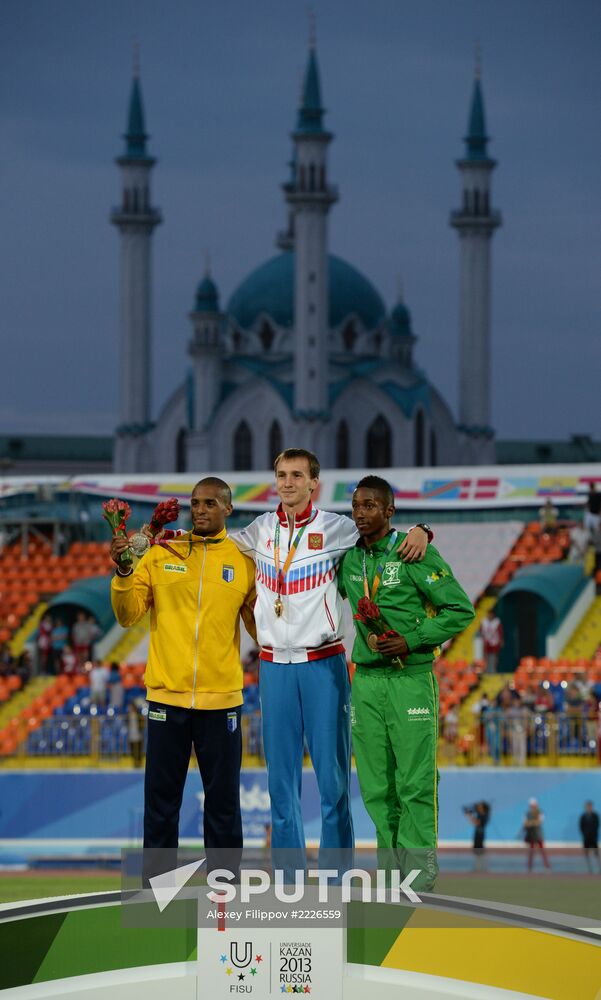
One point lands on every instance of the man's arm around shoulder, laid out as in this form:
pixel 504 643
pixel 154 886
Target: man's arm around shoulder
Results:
pixel 454 610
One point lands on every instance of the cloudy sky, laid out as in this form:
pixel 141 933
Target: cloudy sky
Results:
pixel 220 81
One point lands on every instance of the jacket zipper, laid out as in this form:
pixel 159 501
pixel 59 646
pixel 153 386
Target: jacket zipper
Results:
pixel 202 569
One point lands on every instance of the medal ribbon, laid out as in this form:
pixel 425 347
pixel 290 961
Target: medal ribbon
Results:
pixel 379 568
pixel 185 541
pixel 281 574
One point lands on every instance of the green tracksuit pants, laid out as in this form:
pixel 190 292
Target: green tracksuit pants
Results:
pixel 394 719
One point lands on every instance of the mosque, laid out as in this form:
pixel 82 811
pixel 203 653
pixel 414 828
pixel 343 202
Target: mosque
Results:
pixel 305 352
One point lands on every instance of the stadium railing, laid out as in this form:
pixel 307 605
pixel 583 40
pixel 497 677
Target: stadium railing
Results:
pixel 535 738
pixel 99 738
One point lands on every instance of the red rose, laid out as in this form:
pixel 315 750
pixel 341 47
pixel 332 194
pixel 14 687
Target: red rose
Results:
pixel 367 608
pixel 116 513
pixel 164 513
pixel 119 507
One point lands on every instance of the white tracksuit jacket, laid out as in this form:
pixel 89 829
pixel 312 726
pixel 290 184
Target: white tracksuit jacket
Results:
pixel 310 626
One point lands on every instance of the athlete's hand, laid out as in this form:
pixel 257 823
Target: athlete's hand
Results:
pixel 393 645
pixel 145 530
pixel 414 545
pixel 118 546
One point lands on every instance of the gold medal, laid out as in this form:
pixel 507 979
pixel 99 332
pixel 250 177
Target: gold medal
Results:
pixel 372 641
pixel 278 607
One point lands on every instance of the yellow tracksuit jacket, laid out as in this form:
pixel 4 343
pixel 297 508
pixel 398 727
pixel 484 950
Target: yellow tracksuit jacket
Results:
pixel 196 591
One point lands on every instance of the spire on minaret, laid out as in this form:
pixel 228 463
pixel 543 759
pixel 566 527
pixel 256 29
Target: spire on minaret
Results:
pixel 476 139
pixel 310 112
pixel 135 135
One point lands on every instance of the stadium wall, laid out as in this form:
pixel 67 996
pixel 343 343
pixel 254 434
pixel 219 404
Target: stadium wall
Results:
pixel 85 810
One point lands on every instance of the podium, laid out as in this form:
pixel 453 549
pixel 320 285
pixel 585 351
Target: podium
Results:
pixel 265 963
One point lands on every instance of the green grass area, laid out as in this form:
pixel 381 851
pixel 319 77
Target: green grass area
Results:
pixel 34 886
pixel 580 895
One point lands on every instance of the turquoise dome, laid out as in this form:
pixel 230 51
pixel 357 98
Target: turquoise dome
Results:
pixel 270 289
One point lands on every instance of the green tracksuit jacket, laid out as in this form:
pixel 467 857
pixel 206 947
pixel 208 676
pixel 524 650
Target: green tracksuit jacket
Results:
pixel 394 710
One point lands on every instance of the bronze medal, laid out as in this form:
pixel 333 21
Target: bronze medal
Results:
pixel 372 641
pixel 278 607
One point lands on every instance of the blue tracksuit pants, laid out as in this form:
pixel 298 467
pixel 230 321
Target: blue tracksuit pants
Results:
pixel 309 700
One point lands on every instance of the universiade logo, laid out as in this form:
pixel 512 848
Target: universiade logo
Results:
pixel 241 965
pixel 332 886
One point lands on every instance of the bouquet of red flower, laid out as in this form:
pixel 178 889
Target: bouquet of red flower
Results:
pixel 369 614
pixel 164 513
pixel 116 513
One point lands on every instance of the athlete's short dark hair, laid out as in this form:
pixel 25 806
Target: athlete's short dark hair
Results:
pixel 378 485
pixel 219 484
pixel 312 459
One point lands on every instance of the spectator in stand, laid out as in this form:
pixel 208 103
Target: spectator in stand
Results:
pixel 491 631
pixel 134 733
pixel 59 637
pixel 505 697
pixel 574 703
pixel 99 675
pixel 589 828
pixel 61 542
pixel 44 645
pixel 529 698
pixel 6 660
pixel 69 661
pixel 480 710
pixel 533 833
pixel 547 515
pixel 84 522
pixel 591 720
pixel 116 692
pixel 592 513
pixel 24 667
pixel 557 690
pixel 81 638
pixel 574 697
pixel 451 722
pixel 518 718
pixel 596 540
pixel 544 701
pixel 579 543
pixel 94 633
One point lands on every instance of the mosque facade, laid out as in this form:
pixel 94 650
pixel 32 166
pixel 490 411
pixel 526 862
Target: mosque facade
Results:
pixel 305 352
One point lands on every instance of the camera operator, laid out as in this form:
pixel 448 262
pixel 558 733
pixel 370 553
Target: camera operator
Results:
pixel 478 815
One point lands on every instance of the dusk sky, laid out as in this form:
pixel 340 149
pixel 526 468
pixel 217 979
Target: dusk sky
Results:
pixel 220 82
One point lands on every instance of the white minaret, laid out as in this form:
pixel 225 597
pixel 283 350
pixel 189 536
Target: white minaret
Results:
pixel 136 220
pixel 205 351
pixel 475 223
pixel 309 196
